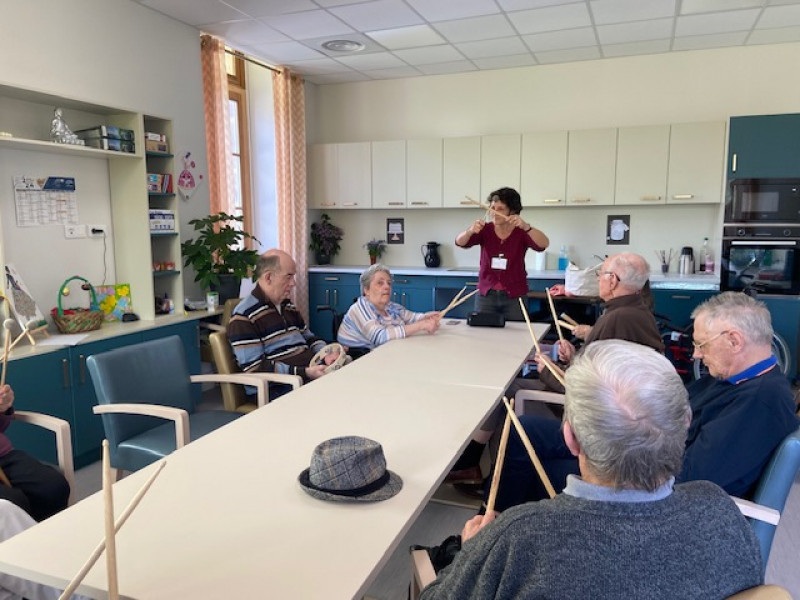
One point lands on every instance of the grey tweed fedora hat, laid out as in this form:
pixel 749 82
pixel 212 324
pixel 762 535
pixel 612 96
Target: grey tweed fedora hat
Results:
pixel 349 469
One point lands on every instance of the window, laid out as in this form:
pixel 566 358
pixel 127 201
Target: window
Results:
pixel 240 147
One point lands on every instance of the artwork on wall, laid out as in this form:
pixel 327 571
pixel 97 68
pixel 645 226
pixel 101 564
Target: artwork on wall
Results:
pixel 114 300
pixel 189 178
pixel 22 303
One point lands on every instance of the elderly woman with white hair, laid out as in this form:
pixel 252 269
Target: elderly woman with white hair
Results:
pixel 374 319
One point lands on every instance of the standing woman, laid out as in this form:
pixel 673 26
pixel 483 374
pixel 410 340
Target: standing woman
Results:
pixel 502 277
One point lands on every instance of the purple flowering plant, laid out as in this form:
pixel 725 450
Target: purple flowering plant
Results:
pixel 325 236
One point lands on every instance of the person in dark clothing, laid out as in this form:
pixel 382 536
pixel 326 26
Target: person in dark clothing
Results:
pixel 741 410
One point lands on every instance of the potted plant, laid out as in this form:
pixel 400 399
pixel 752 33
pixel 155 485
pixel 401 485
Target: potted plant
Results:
pixel 218 254
pixel 375 249
pixel 325 238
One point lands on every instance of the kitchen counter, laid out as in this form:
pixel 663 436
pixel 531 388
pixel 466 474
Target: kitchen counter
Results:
pixel 658 281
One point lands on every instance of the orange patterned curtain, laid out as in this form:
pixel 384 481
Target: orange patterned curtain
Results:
pixel 290 156
pixel 218 133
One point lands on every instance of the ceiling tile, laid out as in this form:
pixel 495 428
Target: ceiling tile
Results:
pixel 448 68
pixel 268 8
pixel 774 36
pixel 779 16
pixel 366 62
pixel 319 66
pixel 633 48
pixel 397 72
pixel 429 55
pixel 559 40
pixel 487 48
pixel 443 10
pixel 573 55
pixel 737 20
pixel 407 37
pixel 285 51
pixel 195 12
pixel 330 3
pixel 567 16
pixel 310 24
pixel 635 32
pixel 624 11
pixel 478 28
pixel 714 40
pixel 505 62
pixel 511 5
pixel 245 32
pixel 328 78
pixel 378 15
pixel 690 7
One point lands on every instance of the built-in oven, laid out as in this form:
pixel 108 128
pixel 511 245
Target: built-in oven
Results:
pixel 765 258
pixel 763 201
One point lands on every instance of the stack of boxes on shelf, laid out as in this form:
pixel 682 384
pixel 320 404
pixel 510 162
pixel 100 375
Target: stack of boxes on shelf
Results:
pixel 157 183
pixel 162 220
pixel 108 137
pixel 156 142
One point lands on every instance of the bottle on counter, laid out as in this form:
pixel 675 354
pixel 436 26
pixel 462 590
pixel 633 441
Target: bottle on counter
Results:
pixel 707 256
pixel 563 258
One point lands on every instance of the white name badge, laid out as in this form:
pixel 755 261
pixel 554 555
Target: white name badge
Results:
pixel 500 263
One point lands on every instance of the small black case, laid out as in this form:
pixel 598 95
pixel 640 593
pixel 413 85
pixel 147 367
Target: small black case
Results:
pixel 477 319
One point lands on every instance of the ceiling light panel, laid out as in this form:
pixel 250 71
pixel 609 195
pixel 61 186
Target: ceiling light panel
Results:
pixel 407 37
pixel 555 18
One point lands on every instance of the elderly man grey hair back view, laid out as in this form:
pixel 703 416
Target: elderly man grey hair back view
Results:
pixel 629 411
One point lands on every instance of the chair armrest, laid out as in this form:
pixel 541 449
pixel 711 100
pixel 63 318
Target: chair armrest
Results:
pixel 293 380
pixel 536 396
pixel 61 429
pixel 259 380
pixel 422 573
pixel 757 511
pixel 178 415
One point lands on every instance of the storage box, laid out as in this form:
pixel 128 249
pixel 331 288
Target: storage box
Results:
pixel 111 144
pixel 156 137
pixel 162 220
pixel 101 131
pixel 156 146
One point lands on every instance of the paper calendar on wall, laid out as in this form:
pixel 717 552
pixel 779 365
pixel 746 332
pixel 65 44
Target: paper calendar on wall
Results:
pixel 45 201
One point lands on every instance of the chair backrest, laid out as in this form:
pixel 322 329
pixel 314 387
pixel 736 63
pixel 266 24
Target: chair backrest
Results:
pixel 234 397
pixel 774 486
pixel 227 310
pixel 154 372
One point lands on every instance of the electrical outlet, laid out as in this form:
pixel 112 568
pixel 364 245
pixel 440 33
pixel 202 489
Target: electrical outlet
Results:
pixel 96 230
pixel 74 231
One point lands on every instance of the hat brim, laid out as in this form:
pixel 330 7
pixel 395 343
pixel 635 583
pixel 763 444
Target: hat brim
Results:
pixel 389 489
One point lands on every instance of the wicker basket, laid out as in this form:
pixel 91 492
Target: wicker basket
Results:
pixel 77 320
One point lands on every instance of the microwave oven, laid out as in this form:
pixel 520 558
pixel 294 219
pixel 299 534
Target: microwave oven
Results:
pixel 763 201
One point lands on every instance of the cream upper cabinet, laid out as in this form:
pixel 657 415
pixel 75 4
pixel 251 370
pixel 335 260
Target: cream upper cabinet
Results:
pixel 389 174
pixel 424 173
pixel 543 179
pixel 355 175
pixel 591 165
pixel 462 171
pixel 323 176
pixel 642 157
pixel 696 163
pixel 500 163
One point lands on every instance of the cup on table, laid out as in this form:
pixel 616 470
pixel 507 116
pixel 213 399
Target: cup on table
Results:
pixel 212 301
pixel 664 268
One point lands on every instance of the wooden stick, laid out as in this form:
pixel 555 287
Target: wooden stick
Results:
pixel 455 299
pixel 111 544
pixel 453 305
pixel 76 581
pixel 6 349
pixel 529 447
pixel 498 464
pixel 566 325
pixel 555 315
pixel 487 207
pixel 530 328
pixel 4 478
pixel 569 319
pixel 553 368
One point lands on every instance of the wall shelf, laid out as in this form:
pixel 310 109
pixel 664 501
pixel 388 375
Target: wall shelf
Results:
pixel 53 148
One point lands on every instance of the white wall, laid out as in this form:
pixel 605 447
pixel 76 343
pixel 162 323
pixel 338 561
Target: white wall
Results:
pixel 667 88
pixel 109 52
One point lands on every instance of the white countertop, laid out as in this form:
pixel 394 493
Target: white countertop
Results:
pixel 658 281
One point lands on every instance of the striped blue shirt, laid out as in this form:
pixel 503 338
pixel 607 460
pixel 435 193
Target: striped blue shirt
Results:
pixel 364 327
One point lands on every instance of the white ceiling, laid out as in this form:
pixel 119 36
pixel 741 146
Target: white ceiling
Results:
pixel 409 38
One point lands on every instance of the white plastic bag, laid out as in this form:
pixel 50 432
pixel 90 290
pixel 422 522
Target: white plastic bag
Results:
pixel 581 282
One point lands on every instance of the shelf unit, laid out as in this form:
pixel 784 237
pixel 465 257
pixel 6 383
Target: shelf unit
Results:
pixel 26 113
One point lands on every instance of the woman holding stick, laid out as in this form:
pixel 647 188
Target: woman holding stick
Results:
pixel 374 319
pixel 502 277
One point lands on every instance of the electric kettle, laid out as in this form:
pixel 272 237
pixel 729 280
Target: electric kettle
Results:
pixel 430 252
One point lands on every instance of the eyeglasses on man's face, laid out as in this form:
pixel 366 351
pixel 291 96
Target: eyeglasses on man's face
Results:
pixel 699 346
pixel 599 273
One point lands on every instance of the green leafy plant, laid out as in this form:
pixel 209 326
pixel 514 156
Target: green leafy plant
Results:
pixel 219 249
pixel 325 237
pixel 375 248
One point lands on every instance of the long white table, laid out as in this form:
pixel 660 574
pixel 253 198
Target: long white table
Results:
pixel 227 519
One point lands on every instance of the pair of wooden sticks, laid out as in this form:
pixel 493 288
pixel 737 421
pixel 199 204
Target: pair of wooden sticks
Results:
pixel 487 207
pixel 111 528
pixel 552 367
pixel 457 300
pixel 29 330
pixel 511 417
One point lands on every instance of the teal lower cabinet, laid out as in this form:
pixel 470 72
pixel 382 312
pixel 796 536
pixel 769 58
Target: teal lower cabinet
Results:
pixel 58 383
pixel 446 288
pixel 329 294
pixel 677 305
pixel 414 292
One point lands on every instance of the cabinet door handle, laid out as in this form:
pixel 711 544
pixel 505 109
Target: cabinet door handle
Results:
pixel 650 198
pixel 403 299
pixel 584 200
pixel 401 280
pixel 336 297
pixel 328 297
pixel 680 297
pixel 552 200
pixel 65 372
pixel 396 203
pixel 331 279
pixel 733 162
pixel 349 203
pixel 419 204
pixel 82 368
pixel 683 196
